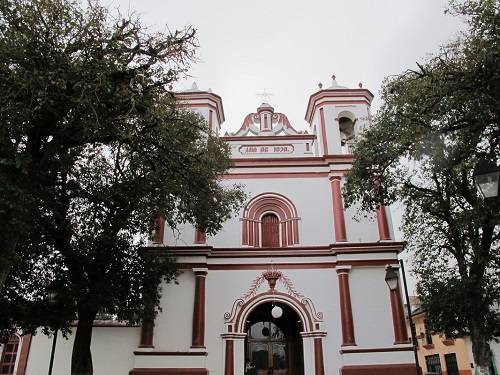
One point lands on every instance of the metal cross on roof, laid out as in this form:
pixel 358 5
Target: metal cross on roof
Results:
pixel 265 96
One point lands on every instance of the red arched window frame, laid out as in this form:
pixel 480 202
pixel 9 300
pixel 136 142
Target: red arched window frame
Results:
pixel 278 205
pixel 9 356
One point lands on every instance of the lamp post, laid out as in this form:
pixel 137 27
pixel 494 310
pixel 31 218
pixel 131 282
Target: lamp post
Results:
pixel 392 278
pixel 486 175
pixel 53 299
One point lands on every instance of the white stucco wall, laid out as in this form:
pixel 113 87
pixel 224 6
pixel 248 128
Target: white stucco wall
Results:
pixel 312 197
pixel 173 326
pixel 314 212
pixel 361 226
pixel 112 352
pixel 371 307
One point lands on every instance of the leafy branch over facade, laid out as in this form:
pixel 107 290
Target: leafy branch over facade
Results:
pixel 93 147
pixel 436 122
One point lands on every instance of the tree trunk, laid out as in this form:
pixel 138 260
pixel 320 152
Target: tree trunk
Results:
pixel 81 359
pixel 7 258
pixel 480 351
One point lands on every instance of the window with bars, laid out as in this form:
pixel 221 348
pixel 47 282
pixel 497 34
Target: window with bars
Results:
pixel 428 334
pixel 9 355
pixel 433 364
pixel 451 364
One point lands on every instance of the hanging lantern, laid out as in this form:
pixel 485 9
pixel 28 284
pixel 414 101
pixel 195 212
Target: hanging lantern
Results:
pixel 276 312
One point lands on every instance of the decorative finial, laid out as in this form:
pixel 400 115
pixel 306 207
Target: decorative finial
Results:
pixel 170 87
pixel 333 77
pixel 265 96
pixel 272 275
pixel 210 90
pixel 320 85
pixel 194 86
pixel 360 85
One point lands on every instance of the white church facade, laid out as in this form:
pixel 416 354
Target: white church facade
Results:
pixel 294 284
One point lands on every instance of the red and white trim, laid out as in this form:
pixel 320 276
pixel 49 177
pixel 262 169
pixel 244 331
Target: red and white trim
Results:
pixel 200 237
pixel 229 339
pixel 159 230
pixel 338 210
pixel 198 338
pixel 382 369
pixel 398 317
pixel 383 224
pixel 198 99
pixel 147 334
pixel 345 306
pixel 169 371
pixel 336 96
pixel 282 207
pixel 323 131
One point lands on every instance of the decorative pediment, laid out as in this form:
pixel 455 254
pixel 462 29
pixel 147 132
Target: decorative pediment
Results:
pixel 279 288
pixel 266 122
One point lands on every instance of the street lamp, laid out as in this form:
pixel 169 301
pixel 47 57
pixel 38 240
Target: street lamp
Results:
pixel 391 278
pixel 486 175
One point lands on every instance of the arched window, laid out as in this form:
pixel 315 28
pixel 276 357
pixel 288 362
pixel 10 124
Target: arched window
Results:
pixel 270 231
pixel 346 127
pixel 9 356
pixel 270 220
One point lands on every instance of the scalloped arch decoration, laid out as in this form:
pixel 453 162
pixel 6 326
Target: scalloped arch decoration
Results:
pixel 243 306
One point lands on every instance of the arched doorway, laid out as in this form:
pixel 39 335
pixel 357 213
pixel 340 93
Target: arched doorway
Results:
pixel 273 346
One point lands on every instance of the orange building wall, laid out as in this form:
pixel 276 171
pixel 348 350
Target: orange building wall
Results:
pixel 440 346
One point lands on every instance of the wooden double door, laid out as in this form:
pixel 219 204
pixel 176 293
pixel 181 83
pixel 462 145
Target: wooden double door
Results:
pixel 273 346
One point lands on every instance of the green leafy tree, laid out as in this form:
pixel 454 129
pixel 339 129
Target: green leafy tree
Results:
pixel 94 147
pixel 435 123
pixel 69 76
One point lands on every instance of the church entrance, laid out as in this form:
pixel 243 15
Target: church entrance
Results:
pixel 273 346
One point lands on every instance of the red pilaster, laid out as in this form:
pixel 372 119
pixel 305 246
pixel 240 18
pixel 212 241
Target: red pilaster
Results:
pixel 319 365
pixel 398 318
pixel 23 355
pixel 323 131
pixel 338 210
pixel 200 236
pixel 147 333
pixel 383 225
pixel 210 121
pixel 346 308
pixel 229 363
pixel 159 230
pixel 198 339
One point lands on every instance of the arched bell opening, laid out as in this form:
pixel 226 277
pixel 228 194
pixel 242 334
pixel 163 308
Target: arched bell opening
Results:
pixel 273 346
pixel 347 131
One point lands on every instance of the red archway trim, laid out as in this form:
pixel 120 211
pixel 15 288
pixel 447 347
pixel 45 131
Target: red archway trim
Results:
pixel 270 203
pixel 297 305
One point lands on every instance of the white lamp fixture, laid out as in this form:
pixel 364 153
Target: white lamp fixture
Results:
pixel 276 312
pixel 486 175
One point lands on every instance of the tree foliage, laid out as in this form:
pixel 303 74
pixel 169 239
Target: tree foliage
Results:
pixel 93 148
pixel 435 123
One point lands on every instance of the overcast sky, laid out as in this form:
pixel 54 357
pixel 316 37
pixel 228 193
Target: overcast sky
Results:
pixel 287 47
